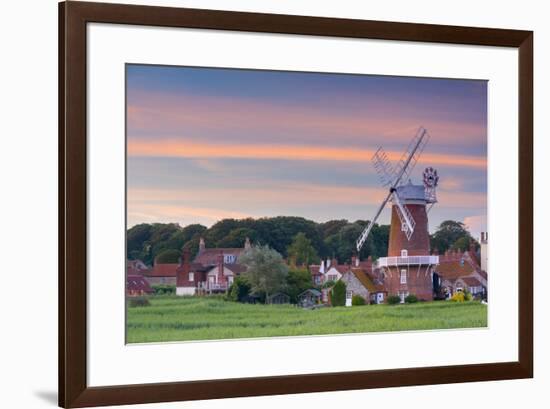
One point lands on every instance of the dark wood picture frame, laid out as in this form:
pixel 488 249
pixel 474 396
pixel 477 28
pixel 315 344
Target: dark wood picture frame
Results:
pixel 73 388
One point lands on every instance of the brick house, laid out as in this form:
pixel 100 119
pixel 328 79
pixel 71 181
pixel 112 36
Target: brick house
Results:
pixel 213 270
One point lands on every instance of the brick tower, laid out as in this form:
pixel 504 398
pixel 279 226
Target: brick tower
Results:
pixel 409 266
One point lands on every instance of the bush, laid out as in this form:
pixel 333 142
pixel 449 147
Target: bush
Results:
pixel 393 299
pixel 139 302
pixel 338 294
pixel 458 297
pixel 328 284
pixel 411 299
pixel 357 300
pixel 467 295
pixel 161 289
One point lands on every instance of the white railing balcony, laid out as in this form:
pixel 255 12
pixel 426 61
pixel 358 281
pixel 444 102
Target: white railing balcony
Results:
pixel 410 260
pixel 205 285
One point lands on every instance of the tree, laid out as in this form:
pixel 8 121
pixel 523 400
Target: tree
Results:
pixel 338 295
pixel 463 244
pixel 239 289
pixel 168 256
pixel 237 237
pixel 297 281
pixel 447 234
pixel 301 251
pixel 266 271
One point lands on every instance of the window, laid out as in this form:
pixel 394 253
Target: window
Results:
pixel 229 258
pixel 403 277
pixel 404 227
pixel 191 276
pixel 404 253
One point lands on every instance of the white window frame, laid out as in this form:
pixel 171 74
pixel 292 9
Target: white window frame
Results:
pixel 404 253
pixel 403 277
pixel 191 277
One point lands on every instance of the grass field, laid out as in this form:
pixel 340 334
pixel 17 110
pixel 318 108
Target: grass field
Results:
pixel 171 318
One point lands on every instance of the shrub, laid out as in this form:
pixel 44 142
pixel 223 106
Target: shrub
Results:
pixel 357 300
pixel 467 295
pixel 139 302
pixel 393 299
pixel 328 284
pixel 411 299
pixel 239 290
pixel 458 297
pixel 338 294
pixel 161 289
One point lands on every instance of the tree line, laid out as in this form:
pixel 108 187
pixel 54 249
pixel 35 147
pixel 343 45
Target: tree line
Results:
pixel 300 240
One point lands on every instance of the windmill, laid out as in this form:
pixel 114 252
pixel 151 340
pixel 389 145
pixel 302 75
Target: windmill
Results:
pixel 409 243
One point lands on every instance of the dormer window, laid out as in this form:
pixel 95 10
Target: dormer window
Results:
pixel 404 253
pixel 229 258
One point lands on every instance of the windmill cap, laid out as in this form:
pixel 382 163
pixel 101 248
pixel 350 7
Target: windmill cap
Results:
pixel 411 192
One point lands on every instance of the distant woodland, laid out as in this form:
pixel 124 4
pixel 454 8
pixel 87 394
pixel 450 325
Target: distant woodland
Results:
pixel 335 238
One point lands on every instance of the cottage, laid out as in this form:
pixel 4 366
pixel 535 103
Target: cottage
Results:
pixel 327 271
pixel 362 283
pixel 309 298
pixel 458 271
pixel 137 285
pixel 278 298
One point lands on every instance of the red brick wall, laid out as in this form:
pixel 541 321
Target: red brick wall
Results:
pixel 419 244
pixel 419 282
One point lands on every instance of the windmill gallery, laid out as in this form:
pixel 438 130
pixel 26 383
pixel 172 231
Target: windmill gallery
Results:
pixel 410 268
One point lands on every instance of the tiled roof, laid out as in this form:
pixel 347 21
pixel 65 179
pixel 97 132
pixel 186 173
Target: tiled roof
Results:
pixel 163 270
pixel 236 268
pixel 471 281
pixel 314 268
pixel 364 279
pixel 210 256
pixel 453 269
pixel 137 283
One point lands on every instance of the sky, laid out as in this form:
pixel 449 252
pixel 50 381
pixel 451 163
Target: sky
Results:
pixel 205 144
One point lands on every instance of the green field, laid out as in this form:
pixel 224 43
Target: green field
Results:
pixel 171 318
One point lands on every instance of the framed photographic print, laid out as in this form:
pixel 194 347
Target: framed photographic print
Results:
pixel 249 202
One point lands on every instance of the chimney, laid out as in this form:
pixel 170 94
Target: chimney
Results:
pixel 182 273
pixel 247 244
pixel 354 261
pixel 322 267
pixel 221 277
pixel 202 246
pixel 328 263
pixel 334 262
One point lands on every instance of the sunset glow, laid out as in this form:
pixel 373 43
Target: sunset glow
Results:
pixel 206 144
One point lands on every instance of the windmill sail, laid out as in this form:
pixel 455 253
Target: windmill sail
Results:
pixel 405 216
pixel 392 176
